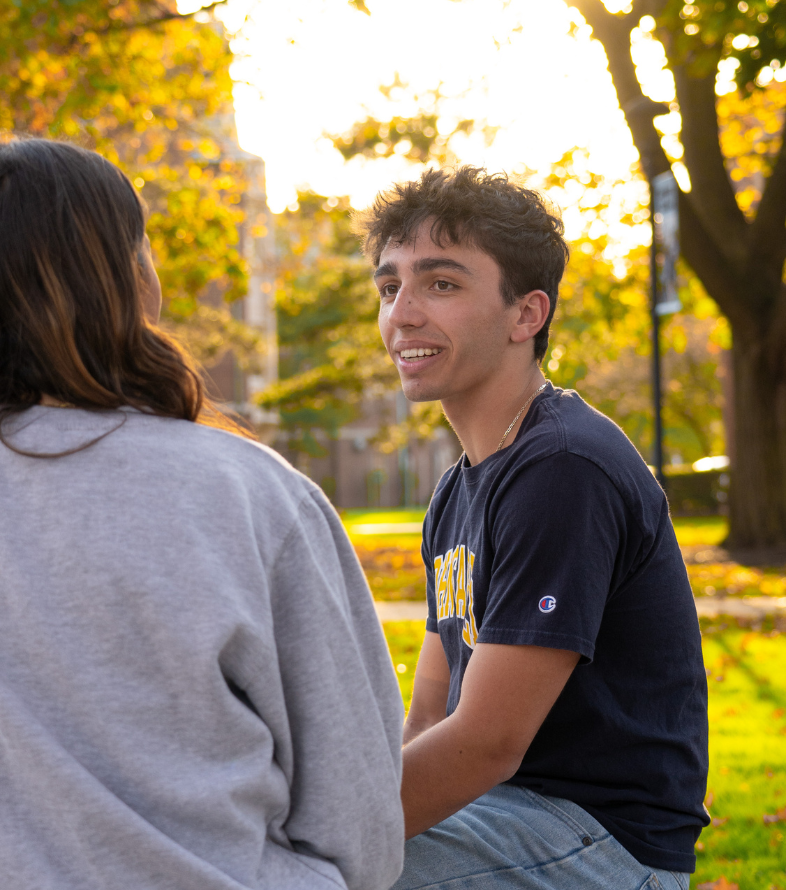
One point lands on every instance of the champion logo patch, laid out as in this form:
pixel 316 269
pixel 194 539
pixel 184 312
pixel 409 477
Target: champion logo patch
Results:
pixel 547 604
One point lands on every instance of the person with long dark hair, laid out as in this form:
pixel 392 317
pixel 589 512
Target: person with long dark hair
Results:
pixel 195 693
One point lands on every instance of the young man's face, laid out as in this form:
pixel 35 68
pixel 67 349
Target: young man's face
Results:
pixel 446 301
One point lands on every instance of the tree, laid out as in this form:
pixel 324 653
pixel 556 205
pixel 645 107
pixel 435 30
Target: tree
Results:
pixel 734 241
pixel 617 377
pixel 330 353
pixel 150 90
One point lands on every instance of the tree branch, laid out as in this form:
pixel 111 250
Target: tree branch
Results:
pixel 712 195
pixel 613 32
pixel 713 235
pixel 157 20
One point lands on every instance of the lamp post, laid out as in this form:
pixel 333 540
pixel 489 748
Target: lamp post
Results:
pixel 664 215
pixel 657 396
pixel 640 113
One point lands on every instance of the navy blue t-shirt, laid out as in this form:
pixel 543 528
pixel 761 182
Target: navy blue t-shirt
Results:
pixel 564 540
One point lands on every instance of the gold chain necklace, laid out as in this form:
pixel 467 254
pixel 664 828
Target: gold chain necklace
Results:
pixel 521 411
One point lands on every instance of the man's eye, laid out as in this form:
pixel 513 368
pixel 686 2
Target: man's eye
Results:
pixel 442 285
pixel 388 290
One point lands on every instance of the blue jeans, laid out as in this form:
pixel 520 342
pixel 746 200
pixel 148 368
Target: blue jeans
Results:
pixel 514 838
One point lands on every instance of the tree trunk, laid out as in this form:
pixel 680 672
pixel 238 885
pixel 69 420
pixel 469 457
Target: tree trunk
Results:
pixel 757 509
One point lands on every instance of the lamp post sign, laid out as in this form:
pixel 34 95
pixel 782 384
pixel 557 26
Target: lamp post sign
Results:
pixel 665 196
pixel 664 216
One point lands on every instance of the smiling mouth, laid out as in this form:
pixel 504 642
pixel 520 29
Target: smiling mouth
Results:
pixel 415 356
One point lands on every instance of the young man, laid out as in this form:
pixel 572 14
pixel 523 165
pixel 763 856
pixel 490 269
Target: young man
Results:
pixel 557 736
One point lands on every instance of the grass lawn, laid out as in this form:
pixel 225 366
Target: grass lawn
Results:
pixel 707 531
pixel 376 516
pixel 394 571
pixel 745 845
pixel 711 573
pixel 746 793
pixel 391 559
pixel 703 530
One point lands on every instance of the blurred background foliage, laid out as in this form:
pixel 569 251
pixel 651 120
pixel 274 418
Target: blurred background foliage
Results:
pixel 751 130
pixel 331 353
pixel 150 90
pixel 700 34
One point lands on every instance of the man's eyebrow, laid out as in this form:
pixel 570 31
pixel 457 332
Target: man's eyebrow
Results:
pixel 431 264
pixel 427 264
pixel 388 268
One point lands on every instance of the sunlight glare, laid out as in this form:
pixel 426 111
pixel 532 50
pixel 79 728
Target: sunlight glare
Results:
pixel 315 66
pixel 527 69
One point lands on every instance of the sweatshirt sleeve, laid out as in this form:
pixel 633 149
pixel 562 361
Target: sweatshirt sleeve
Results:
pixel 343 704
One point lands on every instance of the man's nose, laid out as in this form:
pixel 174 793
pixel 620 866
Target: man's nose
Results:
pixel 406 310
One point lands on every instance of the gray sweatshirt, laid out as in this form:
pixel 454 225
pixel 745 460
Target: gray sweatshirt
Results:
pixel 195 693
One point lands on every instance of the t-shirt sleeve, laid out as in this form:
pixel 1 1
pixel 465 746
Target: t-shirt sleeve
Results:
pixel 557 531
pixel 431 600
pixel 426 549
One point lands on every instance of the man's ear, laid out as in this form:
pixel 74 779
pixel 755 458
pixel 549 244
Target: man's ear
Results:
pixel 532 310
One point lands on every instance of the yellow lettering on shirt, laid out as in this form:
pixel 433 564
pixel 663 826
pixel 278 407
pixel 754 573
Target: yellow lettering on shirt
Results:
pixel 438 563
pixel 469 632
pixel 461 590
pixel 441 569
pixel 454 590
pixel 450 595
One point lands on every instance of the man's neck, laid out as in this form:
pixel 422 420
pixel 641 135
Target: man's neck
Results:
pixel 480 420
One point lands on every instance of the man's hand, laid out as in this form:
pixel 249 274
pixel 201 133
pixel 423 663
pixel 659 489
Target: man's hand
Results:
pixel 505 696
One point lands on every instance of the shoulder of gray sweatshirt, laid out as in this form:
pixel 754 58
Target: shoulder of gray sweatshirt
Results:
pixel 195 692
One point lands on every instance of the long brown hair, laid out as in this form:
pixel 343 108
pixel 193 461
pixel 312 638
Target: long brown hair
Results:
pixel 72 324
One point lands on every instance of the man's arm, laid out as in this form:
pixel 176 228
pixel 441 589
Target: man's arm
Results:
pixel 429 690
pixel 506 694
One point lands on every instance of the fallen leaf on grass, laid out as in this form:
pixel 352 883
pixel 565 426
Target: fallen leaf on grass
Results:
pixel 721 884
pixel 718 821
pixel 772 818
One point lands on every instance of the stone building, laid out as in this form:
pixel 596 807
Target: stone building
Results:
pixel 355 473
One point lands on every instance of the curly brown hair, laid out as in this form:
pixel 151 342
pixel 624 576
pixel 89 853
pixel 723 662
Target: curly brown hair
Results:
pixel 72 325
pixel 510 223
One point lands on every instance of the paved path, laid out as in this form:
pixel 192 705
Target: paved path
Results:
pixel 754 607
pixel 749 607
pixel 403 610
pixel 385 528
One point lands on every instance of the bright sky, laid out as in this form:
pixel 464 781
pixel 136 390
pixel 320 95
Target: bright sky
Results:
pixel 316 67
